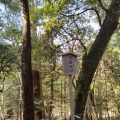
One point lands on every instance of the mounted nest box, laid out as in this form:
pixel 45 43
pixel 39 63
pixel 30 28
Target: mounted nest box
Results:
pixel 69 61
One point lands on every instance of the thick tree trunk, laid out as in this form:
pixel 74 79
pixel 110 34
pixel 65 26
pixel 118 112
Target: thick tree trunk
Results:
pixel 27 83
pixel 92 60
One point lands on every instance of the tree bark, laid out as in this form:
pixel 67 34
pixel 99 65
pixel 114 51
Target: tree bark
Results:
pixel 27 83
pixel 95 54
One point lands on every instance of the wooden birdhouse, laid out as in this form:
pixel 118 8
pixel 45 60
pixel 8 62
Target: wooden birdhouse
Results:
pixel 69 61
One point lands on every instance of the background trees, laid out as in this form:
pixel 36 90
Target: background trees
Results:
pixel 56 27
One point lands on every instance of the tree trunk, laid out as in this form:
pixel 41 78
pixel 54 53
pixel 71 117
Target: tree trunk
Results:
pixel 20 95
pixel 27 83
pixel 65 97
pixel 53 61
pixel 61 97
pixel 95 54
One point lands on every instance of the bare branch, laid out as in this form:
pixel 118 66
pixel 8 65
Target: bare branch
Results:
pixel 59 47
pixel 96 11
pixel 98 16
pixel 72 15
pixel 76 38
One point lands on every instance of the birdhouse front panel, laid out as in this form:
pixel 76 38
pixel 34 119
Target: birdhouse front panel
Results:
pixel 69 64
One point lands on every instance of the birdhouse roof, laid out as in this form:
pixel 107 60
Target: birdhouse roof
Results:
pixel 69 53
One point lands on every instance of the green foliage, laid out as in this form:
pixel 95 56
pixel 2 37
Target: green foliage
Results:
pixel 114 118
pixel 39 105
pixel 6 1
pixel 35 15
pixel 10 32
pixel 49 11
pixel 1 23
pixel 11 95
pixel 11 4
pixel 14 7
pixel 7 58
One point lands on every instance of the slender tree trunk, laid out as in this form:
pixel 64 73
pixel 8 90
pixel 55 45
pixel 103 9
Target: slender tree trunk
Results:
pixel 95 54
pixel 106 103
pixel 65 97
pixel 61 99
pixel 52 67
pixel 2 116
pixel 100 101
pixel 115 100
pixel 51 98
pixel 28 100
pixel 20 94
pixel 2 107
pixel 118 38
pixel 53 61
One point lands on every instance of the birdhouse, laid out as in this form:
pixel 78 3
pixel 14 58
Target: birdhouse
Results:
pixel 69 61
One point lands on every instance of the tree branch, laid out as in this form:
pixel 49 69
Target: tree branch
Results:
pixel 72 15
pixel 101 5
pixel 96 11
pixel 76 38
pixel 98 16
